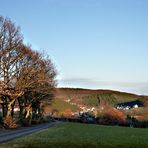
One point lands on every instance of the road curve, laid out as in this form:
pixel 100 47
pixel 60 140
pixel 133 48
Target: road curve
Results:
pixel 12 134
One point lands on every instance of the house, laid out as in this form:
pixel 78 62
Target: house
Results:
pixel 129 105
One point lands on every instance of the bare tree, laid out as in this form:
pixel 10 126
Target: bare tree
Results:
pixel 36 79
pixel 26 75
pixel 10 40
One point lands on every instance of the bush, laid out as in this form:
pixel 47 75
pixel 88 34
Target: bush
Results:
pixel 8 123
pixel 133 122
pixel 111 116
pixel 67 113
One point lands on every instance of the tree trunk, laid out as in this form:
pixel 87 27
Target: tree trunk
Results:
pixel 28 113
pixel 9 111
pixel 12 112
pixel 8 121
pixel 4 109
pixel 21 106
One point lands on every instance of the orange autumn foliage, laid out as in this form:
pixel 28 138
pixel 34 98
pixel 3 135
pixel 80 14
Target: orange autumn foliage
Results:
pixel 110 115
pixel 67 113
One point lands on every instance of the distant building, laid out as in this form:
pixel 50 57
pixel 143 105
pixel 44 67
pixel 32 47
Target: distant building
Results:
pixel 129 105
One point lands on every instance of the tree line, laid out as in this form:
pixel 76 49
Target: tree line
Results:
pixel 27 77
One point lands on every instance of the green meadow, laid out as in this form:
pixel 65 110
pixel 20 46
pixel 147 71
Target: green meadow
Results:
pixel 71 135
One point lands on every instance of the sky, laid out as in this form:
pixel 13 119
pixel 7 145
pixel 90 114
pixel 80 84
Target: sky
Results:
pixel 96 44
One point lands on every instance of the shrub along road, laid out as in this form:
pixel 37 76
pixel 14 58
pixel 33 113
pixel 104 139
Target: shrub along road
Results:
pixel 12 134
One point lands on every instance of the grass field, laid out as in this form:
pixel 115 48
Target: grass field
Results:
pixel 79 135
pixel 61 106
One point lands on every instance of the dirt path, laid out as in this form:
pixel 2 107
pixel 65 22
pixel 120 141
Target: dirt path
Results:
pixel 12 134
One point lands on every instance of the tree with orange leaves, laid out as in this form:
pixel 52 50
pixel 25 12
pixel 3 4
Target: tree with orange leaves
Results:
pixel 27 75
pixel 67 113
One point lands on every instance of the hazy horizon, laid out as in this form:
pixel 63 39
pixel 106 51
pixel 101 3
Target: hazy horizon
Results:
pixel 130 87
pixel 95 44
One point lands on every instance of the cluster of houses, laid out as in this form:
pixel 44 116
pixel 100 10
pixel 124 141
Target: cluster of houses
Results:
pixel 120 106
pixel 129 105
pixel 83 108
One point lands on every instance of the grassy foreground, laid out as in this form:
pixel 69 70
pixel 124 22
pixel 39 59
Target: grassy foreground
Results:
pixel 83 135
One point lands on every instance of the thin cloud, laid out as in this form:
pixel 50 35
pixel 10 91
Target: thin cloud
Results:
pixel 133 87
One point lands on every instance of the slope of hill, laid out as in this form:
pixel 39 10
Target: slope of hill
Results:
pixel 59 106
pixel 75 100
pixel 94 97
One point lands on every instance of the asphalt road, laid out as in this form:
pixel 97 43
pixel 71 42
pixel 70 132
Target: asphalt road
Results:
pixel 12 134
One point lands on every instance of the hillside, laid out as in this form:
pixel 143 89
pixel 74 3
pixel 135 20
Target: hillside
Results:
pixel 60 106
pixel 70 100
pixel 94 97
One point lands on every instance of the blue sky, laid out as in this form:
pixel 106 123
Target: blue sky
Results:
pixel 93 43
